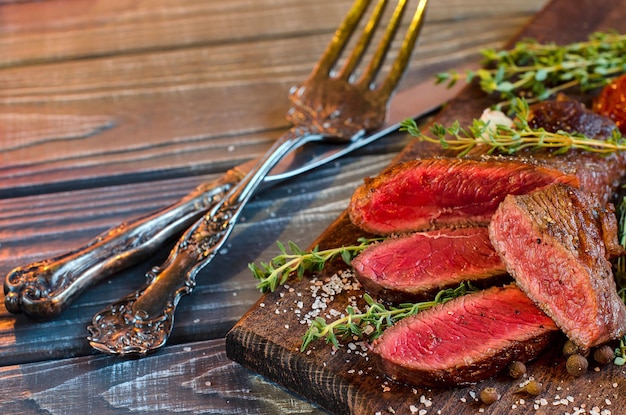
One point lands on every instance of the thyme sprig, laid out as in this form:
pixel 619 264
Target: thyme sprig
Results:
pixel 511 139
pixel 297 261
pixel 373 322
pixel 538 71
pixel 620 278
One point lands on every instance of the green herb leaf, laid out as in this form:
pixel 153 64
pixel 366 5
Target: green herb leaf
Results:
pixel 619 273
pixel 538 71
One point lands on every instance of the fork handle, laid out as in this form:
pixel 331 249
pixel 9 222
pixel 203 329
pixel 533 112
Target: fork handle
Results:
pixel 43 289
pixel 142 322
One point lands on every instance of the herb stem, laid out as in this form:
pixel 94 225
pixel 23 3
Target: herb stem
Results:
pixel 377 317
pixel 509 140
pixel 298 261
pixel 620 278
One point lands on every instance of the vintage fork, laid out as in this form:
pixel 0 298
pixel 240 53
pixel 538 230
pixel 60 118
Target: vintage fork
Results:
pixel 340 105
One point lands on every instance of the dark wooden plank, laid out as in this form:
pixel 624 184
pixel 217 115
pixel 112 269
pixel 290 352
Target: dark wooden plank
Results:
pixel 345 381
pixel 131 94
pixel 188 379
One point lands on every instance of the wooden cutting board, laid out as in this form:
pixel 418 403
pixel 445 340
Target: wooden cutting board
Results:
pixel 344 381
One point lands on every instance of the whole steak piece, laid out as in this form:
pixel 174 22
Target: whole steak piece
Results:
pixel 415 266
pixel 465 340
pixel 418 194
pixel 556 244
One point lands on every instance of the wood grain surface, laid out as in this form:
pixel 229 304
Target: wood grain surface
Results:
pixel 344 380
pixel 110 109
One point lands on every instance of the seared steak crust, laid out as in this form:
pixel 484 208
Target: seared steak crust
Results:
pixel 554 243
pixel 464 340
pixel 414 267
pixel 570 116
pixel 598 174
pixel 417 194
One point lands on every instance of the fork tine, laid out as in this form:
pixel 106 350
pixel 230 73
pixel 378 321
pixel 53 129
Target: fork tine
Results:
pixel 385 43
pixel 363 42
pixel 341 37
pixel 406 50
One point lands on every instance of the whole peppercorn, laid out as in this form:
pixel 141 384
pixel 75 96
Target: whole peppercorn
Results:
pixel 603 354
pixel 488 395
pixel 576 365
pixel 569 348
pixel 534 387
pixel 517 369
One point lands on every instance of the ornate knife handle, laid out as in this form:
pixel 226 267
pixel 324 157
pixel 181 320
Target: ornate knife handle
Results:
pixel 45 288
pixel 143 321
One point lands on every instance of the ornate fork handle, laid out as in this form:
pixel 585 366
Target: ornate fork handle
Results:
pixel 142 321
pixel 45 288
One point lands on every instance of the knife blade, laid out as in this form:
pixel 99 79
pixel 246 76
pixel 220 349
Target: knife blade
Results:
pixel 45 288
pixel 414 102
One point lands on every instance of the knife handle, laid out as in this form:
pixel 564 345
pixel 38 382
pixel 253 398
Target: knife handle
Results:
pixel 45 288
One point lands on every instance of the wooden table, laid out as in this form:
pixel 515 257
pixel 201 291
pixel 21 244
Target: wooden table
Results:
pixel 110 109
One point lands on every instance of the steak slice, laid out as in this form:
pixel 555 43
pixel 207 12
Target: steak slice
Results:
pixel 414 267
pixel 416 194
pixel 465 340
pixel 554 243
pixel 447 192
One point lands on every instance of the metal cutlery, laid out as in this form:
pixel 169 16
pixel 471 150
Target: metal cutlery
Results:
pixel 330 105
pixel 45 288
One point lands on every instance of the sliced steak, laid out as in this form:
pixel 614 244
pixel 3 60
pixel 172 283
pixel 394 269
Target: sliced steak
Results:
pixel 554 243
pixel 414 267
pixel 464 340
pixel 417 194
pixel 440 192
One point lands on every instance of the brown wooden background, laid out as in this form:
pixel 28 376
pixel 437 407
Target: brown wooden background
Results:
pixel 113 108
